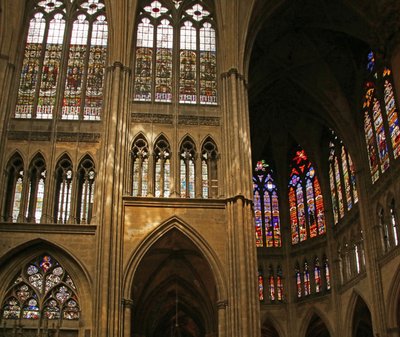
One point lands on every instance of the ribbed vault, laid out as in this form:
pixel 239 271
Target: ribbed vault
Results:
pixel 174 290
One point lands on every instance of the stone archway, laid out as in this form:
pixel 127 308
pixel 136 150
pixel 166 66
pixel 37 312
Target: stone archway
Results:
pixel 362 321
pixel 174 291
pixel 317 328
pixel 268 329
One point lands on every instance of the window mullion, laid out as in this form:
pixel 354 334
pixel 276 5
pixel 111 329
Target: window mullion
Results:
pixel 85 71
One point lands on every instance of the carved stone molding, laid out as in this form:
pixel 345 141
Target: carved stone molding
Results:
pixel 199 120
pixel 151 118
pixel 60 137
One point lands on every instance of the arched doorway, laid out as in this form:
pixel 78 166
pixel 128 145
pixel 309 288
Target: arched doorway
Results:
pixel 174 291
pixel 362 322
pixel 268 330
pixel 317 328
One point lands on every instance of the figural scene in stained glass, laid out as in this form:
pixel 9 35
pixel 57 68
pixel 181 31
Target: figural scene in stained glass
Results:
pixel 42 289
pixel 42 70
pixel 160 23
pixel 341 178
pixel 266 207
pixel 307 219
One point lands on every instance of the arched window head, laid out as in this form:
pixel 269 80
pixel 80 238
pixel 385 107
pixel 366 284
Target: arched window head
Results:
pixel 42 289
pixel 140 167
pixel 162 155
pixel 307 216
pixel 187 168
pixel 342 178
pixel 62 206
pixel 72 30
pixel 14 190
pixel 209 156
pixel 86 184
pixel 37 180
pixel 169 33
pixel 266 207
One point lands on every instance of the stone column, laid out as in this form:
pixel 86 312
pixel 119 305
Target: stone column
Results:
pixel 221 305
pixel 127 305
pixel 243 312
pixel 109 208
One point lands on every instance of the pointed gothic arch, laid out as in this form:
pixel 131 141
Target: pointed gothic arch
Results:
pixel 73 277
pixel 201 244
pixel 315 324
pixel 174 260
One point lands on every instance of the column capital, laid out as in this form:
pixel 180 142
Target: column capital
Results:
pixel 127 303
pixel 222 304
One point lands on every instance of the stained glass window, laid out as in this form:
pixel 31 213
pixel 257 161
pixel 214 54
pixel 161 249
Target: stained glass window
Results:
pixel 271 284
pixel 327 274
pixel 342 178
pixel 306 279
pixel 279 284
pixel 86 184
pixel 317 276
pixel 13 192
pixel 394 224
pixel 144 60
pixel 380 120
pixel 260 287
pixel 187 169
pixel 391 112
pixel 266 207
pixel 209 155
pixel 42 70
pixel 62 207
pixel 298 282
pixel 37 179
pixel 159 24
pixel 163 90
pixel 162 153
pixel 306 207
pixel 140 162
pixel 43 288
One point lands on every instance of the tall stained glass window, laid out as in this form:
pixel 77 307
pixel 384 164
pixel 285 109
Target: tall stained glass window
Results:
pixel 140 166
pixel 266 207
pixel 162 154
pixel 42 289
pixel 209 156
pixel 187 168
pixel 80 80
pixel 306 208
pixel 86 180
pixel 298 282
pixel 279 284
pixel 14 190
pixel 260 286
pixel 381 123
pixel 317 276
pixel 181 33
pixel 391 112
pixel 342 178
pixel 63 195
pixel 37 179
pixel 306 279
